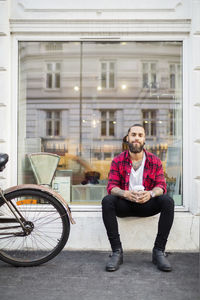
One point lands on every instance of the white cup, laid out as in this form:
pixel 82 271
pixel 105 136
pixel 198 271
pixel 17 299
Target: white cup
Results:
pixel 138 188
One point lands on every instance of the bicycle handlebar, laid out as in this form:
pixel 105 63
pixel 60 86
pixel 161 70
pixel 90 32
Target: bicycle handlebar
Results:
pixel 3 160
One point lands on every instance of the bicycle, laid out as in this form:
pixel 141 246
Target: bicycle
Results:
pixel 34 223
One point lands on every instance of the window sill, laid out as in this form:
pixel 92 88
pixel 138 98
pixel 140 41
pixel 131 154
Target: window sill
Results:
pixel 111 138
pixel 53 137
pixel 52 89
pixel 97 208
pixel 109 89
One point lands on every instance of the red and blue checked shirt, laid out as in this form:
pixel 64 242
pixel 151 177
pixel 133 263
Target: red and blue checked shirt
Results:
pixel 120 170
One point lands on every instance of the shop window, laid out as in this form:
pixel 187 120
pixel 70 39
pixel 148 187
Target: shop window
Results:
pixel 53 75
pixel 149 122
pixel 84 122
pixel 107 74
pixel 149 75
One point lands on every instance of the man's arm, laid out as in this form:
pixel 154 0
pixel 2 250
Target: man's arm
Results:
pixel 160 187
pixel 116 191
pixel 127 195
pixel 140 197
pixel 114 176
pixel 157 191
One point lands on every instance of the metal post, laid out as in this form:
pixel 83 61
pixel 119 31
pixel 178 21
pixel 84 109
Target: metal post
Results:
pixel 80 119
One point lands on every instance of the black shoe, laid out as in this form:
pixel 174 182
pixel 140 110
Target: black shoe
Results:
pixel 159 259
pixel 116 259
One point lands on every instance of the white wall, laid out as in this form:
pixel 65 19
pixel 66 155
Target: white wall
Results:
pixel 113 20
pixel 5 95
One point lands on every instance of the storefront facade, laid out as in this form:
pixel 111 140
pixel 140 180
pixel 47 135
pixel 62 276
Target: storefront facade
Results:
pixel 73 80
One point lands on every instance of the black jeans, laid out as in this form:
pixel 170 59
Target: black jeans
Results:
pixel 113 206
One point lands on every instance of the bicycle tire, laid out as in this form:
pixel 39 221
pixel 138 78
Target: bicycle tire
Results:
pixel 49 235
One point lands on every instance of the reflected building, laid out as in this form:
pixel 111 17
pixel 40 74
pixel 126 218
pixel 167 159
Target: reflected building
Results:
pixel 80 98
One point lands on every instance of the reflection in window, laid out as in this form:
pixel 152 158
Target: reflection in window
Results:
pixel 107 74
pixel 108 123
pixel 149 122
pixel 175 76
pixel 171 118
pixel 52 123
pixel 149 75
pixel 51 46
pixel 86 120
pixel 53 75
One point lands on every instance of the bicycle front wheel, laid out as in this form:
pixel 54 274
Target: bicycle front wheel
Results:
pixel 48 225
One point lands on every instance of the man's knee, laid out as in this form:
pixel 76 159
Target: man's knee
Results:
pixel 167 201
pixel 108 200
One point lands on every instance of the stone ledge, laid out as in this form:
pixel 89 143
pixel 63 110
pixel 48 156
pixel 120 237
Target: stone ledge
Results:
pixel 136 233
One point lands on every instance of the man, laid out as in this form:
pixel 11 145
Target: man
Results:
pixel 131 168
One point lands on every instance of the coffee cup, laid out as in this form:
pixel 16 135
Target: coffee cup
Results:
pixel 138 188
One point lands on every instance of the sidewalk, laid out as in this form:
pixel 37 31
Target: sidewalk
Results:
pixel 74 275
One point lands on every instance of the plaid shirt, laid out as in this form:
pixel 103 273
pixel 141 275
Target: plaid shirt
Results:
pixel 120 170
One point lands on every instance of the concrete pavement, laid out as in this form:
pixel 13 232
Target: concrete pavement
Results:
pixel 81 276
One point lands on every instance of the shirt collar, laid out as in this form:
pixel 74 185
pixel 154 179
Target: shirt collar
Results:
pixel 127 155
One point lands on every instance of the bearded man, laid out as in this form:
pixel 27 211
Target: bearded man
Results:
pixel 137 187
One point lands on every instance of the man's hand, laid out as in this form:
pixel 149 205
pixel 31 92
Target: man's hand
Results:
pixel 131 196
pixel 143 197
pixel 139 197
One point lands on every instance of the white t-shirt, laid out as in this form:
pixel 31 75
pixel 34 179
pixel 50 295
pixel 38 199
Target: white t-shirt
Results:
pixel 136 177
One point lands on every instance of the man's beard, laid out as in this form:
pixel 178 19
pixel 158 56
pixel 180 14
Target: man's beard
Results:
pixel 137 148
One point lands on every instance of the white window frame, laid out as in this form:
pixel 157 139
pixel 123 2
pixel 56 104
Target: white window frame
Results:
pixel 187 139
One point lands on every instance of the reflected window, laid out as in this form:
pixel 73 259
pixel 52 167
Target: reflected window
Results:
pixel 149 122
pixel 108 122
pixel 149 75
pixel 172 123
pixel 107 74
pixel 175 76
pixel 53 75
pixel 51 46
pixel 53 123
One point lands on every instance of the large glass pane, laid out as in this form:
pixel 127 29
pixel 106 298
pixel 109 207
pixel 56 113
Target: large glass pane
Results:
pixel 157 100
pixel 106 87
pixel 49 119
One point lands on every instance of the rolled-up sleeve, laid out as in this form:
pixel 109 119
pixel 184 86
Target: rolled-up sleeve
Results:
pixel 160 178
pixel 114 176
